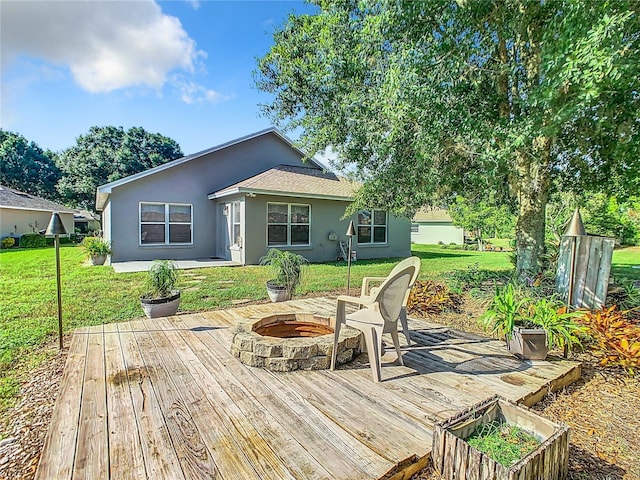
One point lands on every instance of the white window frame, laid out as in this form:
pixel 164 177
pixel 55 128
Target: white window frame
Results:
pixel 288 224
pixel 236 207
pixel 372 226
pixel 166 222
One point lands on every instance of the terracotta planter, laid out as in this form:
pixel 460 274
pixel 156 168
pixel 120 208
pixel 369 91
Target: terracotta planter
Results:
pixel 161 307
pixel 455 459
pixel 528 343
pixel 277 293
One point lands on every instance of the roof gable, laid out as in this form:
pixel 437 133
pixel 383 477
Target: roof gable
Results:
pixel 103 191
pixel 10 198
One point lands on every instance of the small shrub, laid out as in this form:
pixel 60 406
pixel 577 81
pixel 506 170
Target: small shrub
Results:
pixel 616 340
pixel 33 240
pixel 7 242
pixel 96 246
pixel 429 298
pixel 470 278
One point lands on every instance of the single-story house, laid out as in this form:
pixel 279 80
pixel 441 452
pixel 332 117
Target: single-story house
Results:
pixel 235 201
pixel 434 225
pixel 22 213
pixel 85 222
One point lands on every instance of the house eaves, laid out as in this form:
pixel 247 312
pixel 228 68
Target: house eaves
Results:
pixel 292 181
pixel 255 191
pixel 103 191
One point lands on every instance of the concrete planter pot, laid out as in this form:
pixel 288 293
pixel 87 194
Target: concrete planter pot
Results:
pixel 97 259
pixel 161 307
pixel 528 343
pixel 277 293
pixel 455 459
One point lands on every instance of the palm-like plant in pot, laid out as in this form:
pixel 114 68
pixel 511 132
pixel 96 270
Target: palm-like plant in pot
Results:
pixel 161 298
pixel 288 269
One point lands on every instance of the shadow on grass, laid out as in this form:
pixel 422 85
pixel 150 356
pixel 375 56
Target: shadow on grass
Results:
pixel 443 254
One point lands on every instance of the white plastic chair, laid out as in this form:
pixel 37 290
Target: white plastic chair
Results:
pixel 368 290
pixel 380 316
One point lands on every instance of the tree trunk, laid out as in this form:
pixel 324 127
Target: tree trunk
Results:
pixel 532 186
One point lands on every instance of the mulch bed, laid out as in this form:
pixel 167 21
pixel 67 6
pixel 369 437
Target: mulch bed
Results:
pixel 602 409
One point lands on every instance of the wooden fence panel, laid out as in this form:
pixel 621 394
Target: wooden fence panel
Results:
pixel 592 267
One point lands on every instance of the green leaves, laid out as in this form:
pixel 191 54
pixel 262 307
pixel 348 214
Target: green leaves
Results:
pixel 106 154
pixel 427 100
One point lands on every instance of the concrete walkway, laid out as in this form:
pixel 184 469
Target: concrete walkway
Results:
pixel 143 266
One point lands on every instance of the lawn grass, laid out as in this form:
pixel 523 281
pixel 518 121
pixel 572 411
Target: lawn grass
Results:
pixel 624 261
pixel 96 295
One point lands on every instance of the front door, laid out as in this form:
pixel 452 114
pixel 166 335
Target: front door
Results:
pixel 223 233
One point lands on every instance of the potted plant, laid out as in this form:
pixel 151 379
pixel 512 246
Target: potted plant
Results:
pixel 288 268
pixel 531 327
pixel 161 299
pixel 97 249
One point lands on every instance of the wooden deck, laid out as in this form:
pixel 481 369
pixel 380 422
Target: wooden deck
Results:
pixel 164 399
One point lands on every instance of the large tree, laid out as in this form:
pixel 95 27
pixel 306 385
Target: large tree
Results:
pixel 106 154
pixel 425 100
pixel 26 167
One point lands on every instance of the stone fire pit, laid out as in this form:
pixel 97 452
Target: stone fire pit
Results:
pixel 292 341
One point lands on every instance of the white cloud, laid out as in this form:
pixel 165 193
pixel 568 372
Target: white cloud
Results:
pixel 106 45
pixel 192 93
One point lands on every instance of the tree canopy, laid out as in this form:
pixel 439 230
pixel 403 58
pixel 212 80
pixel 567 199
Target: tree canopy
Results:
pixel 26 167
pixel 106 154
pixel 424 100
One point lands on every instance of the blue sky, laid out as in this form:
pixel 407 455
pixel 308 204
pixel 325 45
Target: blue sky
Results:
pixel 179 68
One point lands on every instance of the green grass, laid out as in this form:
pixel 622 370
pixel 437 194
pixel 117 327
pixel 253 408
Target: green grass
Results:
pixel 504 443
pixel 624 259
pixel 97 295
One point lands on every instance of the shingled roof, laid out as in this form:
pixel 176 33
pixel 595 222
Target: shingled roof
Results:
pixel 287 180
pixel 429 215
pixel 10 198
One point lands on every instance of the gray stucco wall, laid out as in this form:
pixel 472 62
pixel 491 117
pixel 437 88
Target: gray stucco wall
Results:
pixel 190 183
pixel 325 218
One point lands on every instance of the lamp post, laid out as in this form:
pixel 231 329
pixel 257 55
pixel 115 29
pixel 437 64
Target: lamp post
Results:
pixel 351 231
pixel 56 228
pixel 574 230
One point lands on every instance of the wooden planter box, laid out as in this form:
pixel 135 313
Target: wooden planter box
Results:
pixel 453 458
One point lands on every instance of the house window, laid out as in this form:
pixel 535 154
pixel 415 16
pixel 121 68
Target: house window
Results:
pixel 235 207
pixel 415 228
pixel 165 224
pixel 372 226
pixel 288 224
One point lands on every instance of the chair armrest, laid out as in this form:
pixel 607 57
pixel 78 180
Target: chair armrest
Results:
pixel 355 300
pixel 366 283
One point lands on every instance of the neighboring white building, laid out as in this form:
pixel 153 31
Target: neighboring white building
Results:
pixel 432 226
pixel 22 213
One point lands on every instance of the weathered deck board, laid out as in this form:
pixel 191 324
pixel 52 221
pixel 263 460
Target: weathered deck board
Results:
pixel 165 399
